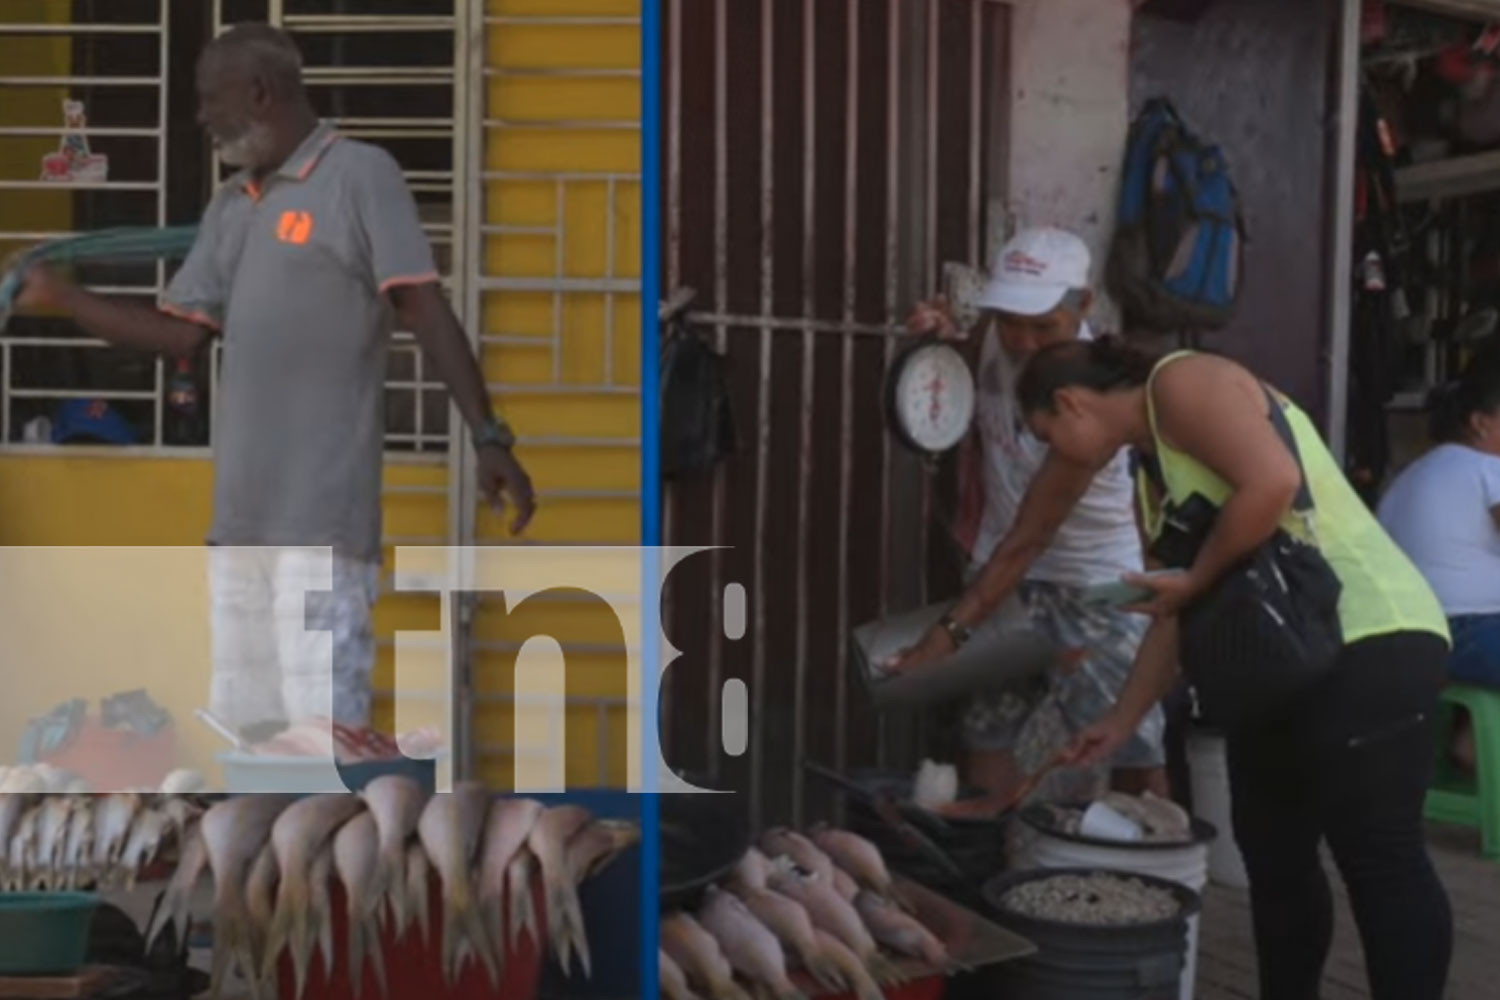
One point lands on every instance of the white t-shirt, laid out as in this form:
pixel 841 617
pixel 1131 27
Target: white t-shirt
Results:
pixel 1099 542
pixel 1439 511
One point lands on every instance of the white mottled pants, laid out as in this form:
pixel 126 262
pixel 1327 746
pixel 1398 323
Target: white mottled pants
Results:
pixel 286 647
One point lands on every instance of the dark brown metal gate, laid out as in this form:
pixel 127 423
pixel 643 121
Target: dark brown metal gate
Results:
pixel 821 157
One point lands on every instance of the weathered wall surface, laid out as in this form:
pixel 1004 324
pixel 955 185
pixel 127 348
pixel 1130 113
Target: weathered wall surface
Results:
pixel 1070 70
pixel 1253 75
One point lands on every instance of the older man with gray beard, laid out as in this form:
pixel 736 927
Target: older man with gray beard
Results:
pixel 304 262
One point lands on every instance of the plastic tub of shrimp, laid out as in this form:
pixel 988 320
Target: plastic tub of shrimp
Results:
pixel 45 933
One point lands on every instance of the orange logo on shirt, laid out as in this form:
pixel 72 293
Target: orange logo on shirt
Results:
pixel 295 227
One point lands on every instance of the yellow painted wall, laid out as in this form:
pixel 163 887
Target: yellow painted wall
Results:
pixel 92 499
pixel 560 125
pixel 21 157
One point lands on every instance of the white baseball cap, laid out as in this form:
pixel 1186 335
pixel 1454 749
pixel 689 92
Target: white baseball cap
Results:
pixel 1035 270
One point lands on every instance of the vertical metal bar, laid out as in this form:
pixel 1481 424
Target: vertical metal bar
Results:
pixel 976 100
pixel 763 400
pixel 162 114
pixel 469 98
pixel 609 272
pixel 721 305
pixel 419 398
pixel 933 136
pixel 5 392
pixel 1343 229
pixel 846 385
pixel 673 168
pixel 892 229
pixel 809 356
pixel 559 244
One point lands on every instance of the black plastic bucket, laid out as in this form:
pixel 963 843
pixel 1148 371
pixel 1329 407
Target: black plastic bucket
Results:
pixel 1086 962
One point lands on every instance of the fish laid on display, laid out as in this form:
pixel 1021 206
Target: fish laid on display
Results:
pixel 13 806
pixel 181 813
pixel 21 852
pixel 78 856
pixel 752 869
pixel 592 849
pixel 855 855
pixel 853 970
pixel 192 859
pixel 320 906
pixel 450 828
pixel 395 802
pixel 418 895
pixel 355 858
pixel 299 834
pixel 151 826
pixel 786 918
pixel 260 905
pixel 844 884
pixel 522 895
pixel 548 841
pixel 234 831
pixel 506 828
pixel 834 914
pixel 900 931
pixel 698 955
pixel 669 974
pixel 114 815
pixel 779 842
pixel 752 950
pixel 52 840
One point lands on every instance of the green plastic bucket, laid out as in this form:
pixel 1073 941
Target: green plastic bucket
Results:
pixel 45 933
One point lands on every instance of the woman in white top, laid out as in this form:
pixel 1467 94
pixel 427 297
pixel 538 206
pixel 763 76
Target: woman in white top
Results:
pixel 1444 511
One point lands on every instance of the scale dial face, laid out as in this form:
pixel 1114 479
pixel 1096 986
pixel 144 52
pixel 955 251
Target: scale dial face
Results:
pixel 934 397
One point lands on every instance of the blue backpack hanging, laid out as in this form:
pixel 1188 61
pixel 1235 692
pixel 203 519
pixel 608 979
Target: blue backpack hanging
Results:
pixel 1178 250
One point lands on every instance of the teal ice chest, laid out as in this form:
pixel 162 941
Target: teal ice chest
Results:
pixel 246 773
pixel 45 933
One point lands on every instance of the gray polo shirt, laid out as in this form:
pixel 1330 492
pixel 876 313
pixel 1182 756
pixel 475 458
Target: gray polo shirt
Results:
pixel 292 272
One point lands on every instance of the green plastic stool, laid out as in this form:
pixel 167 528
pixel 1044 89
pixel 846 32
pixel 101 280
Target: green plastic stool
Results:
pixel 1459 798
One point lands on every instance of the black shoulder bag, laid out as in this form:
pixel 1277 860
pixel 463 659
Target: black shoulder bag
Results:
pixel 697 423
pixel 1268 629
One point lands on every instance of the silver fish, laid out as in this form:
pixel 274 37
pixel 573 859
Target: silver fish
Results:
pixel 853 970
pixel 450 828
pixel 521 892
pixel 143 843
pixel 418 889
pixel 114 816
pixel 505 831
pixel 52 841
pixel 854 854
pixel 320 906
pixel 752 950
pixel 395 803
pixel 234 831
pixel 260 907
pixel 13 806
pixel 21 858
pixel 548 841
pixel 355 849
pixel 77 864
pixel 698 955
pixel 752 869
pixel 300 833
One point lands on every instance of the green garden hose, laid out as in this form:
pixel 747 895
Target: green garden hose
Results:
pixel 119 245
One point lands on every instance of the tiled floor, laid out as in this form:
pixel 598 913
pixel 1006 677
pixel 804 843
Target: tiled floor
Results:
pixel 1226 965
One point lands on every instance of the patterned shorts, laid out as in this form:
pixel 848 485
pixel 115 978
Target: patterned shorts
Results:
pixel 1035 716
pixel 285 647
pixel 1476 650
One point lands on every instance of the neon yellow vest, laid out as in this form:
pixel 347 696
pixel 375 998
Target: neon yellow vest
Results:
pixel 1383 591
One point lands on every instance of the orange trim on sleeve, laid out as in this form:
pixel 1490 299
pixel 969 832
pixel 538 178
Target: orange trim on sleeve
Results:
pixel 409 279
pixel 192 316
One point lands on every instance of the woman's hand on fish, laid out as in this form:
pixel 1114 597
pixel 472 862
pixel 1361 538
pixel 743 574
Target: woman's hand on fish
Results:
pixel 932 647
pixel 1173 592
pixel 1097 742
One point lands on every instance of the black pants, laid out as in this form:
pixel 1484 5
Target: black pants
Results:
pixel 1350 765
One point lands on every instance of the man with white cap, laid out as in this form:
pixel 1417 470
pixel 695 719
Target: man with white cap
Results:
pixel 1045 530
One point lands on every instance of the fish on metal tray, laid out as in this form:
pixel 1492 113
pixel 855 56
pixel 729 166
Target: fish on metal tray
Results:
pixel 786 918
pixel 450 828
pixel 752 950
pixel 299 834
pixel 780 841
pixel 857 856
pixel 752 869
pixel 669 974
pixel 833 913
pixel 698 954
pixel 848 963
pixel 901 932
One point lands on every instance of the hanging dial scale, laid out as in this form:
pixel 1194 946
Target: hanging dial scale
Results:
pixel 930 397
